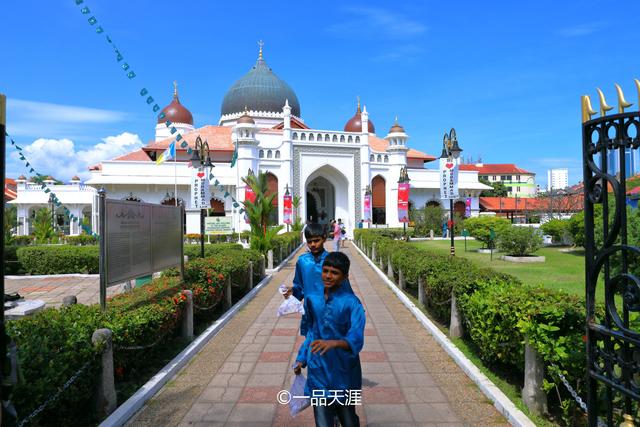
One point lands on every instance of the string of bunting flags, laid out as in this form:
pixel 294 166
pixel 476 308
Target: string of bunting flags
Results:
pixel 46 189
pixel 150 101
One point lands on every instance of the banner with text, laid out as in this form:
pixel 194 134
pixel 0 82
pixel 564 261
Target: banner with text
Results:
pixel 287 208
pixel 403 202
pixel 200 192
pixel 218 225
pixel 467 207
pixel 367 208
pixel 448 179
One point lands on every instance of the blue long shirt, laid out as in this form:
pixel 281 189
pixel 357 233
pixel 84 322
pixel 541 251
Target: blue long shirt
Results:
pixel 308 280
pixel 339 317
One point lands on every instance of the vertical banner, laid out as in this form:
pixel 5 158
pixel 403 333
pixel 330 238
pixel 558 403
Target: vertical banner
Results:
pixel 403 202
pixel 200 192
pixel 249 196
pixel 287 208
pixel 448 179
pixel 467 207
pixel 367 208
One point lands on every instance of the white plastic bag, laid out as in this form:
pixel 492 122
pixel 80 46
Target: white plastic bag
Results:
pixel 289 306
pixel 298 400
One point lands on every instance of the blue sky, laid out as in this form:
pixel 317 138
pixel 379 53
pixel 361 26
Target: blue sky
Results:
pixel 508 76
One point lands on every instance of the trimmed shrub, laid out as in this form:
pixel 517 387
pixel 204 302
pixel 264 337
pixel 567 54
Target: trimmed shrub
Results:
pixel 480 227
pixel 558 229
pixel 81 240
pixel 11 263
pixel 193 251
pixel 23 240
pixel 519 241
pixel 59 259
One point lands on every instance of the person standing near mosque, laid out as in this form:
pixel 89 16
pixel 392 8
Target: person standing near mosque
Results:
pixel 337 236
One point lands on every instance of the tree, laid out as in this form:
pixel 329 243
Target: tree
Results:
pixel 498 190
pixel 10 222
pixel 481 227
pixel 519 241
pixel 42 227
pixel 259 211
pixel 297 221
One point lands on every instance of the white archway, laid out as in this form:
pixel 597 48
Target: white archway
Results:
pixel 343 194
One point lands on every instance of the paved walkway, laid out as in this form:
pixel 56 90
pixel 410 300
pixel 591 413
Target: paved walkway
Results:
pixel 53 289
pixel 407 378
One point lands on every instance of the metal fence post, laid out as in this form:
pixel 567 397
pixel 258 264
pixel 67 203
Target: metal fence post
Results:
pixel 106 400
pixel 102 213
pixel 187 319
pixel 250 281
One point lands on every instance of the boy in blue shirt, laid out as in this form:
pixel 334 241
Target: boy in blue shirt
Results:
pixel 308 275
pixel 331 349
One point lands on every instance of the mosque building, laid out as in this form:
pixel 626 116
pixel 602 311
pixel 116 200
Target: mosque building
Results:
pixel 260 114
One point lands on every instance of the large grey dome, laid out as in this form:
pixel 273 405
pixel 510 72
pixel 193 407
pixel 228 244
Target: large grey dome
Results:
pixel 259 90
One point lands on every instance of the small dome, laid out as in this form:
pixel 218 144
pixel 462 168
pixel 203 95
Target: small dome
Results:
pixel 22 178
pixel 246 119
pixel 75 178
pixel 396 128
pixel 175 111
pixel 260 90
pixel 49 178
pixel 355 123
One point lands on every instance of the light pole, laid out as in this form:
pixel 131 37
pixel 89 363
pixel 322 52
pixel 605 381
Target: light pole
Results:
pixel 200 159
pixel 451 151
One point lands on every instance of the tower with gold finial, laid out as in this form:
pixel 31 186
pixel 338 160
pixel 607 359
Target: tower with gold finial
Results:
pixel 177 114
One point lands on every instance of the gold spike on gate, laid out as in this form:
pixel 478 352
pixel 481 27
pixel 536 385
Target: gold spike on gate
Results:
pixel 638 87
pixel 628 421
pixel 603 104
pixel 622 103
pixel 587 110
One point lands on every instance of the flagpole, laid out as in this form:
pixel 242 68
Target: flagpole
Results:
pixel 175 176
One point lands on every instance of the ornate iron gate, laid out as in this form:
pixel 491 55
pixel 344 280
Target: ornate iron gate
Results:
pixel 609 146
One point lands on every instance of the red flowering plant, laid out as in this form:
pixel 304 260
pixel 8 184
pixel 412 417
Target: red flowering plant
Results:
pixel 205 280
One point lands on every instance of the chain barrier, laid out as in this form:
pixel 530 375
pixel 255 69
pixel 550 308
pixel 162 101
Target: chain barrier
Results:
pixel 47 402
pixel 150 101
pixel 575 396
pixel 141 347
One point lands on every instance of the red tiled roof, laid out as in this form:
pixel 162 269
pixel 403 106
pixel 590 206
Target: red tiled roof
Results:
pixel 10 191
pixel 494 168
pixel 295 124
pixel 138 155
pixel 379 144
pixel 634 191
pixel 565 203
pixel 218 138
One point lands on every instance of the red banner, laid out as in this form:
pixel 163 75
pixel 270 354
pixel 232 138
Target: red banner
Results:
pixel 287 209
pixel 403 202
pixel 367 207
pixel 249 196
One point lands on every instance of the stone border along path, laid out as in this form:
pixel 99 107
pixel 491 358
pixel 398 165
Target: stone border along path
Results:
pixel 408 379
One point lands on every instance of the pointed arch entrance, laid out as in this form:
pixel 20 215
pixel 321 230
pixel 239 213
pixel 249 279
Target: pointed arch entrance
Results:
pixel 326 196
pixel 379 200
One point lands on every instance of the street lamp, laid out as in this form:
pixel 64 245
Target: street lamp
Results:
pixel 451 151
pixel 200 159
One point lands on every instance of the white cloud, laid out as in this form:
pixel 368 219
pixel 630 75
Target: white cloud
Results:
pixel 48 120
pixel 61 159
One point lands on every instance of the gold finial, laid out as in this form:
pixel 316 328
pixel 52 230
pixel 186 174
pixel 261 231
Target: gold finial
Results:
pixel 638 87
pixel 358 98
pixel 622 104
pixel 396 119
pixel 628 421
pixel 261 45
pixel 175 89
pixel 603 104
pixel 587 110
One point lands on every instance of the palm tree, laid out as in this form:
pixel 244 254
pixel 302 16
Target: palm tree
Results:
pixel 297 222
pixel 259 212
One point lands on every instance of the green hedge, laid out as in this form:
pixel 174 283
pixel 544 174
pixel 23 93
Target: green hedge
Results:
pixel 59 259
pixel 497 309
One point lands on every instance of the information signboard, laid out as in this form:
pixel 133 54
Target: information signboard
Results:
pixel 218 225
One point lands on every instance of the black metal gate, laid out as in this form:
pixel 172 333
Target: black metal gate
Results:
pixel 609 144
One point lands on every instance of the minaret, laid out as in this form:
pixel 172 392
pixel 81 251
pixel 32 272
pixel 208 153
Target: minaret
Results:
pixel 179 116
pixel 397 148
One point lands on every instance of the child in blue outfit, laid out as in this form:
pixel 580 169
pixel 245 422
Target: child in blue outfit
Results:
pixel 308 275
pixel 333 342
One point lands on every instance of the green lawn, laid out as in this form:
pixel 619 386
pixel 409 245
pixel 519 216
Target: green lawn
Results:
pixel 561 270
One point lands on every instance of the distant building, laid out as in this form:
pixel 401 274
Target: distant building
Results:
pixel 10 191
pixel 632 162
pixel 519 182
pixel 557 179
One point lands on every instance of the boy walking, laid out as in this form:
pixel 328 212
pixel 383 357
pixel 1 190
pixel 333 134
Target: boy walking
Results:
pixel 333 342
pixel 308 276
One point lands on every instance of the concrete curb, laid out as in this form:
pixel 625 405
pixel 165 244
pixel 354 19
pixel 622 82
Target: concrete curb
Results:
pixel 502 403
pixel 51 276
pixel 129 408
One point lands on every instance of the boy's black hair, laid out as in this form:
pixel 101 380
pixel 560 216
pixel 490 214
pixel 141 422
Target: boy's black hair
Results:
pixel 338 260
pixel 314 230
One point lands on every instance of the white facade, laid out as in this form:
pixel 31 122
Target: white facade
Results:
pixel 557 179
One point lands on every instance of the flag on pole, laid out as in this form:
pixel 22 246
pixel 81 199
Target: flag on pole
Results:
pixel 168 154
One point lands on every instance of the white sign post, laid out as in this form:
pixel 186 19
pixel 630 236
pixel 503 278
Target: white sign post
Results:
pixel 200 192
pixel 448 179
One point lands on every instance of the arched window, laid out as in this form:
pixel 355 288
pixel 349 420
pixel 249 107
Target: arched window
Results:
pixel 277 154
pixel 335 138
pixel 310 137
pixel 217 207
pixel 326 138
pixel 357 139
pixel 261 154
pixel 386 159
pixel 272 188
pixel 303 137
pixel 379 158
pixel 319 137
pixel 350 139
pixel 341 138
pixel 269 154
pixel 295 135
pixel 372 158
pixel 378 200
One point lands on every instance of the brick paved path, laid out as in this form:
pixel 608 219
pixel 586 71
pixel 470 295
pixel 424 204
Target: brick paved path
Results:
pixel 407 378
pixel 53 289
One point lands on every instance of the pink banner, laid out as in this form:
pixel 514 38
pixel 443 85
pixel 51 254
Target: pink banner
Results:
pixel 249 196
pixel 287 209
pixel 367 208
pixel 403 202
